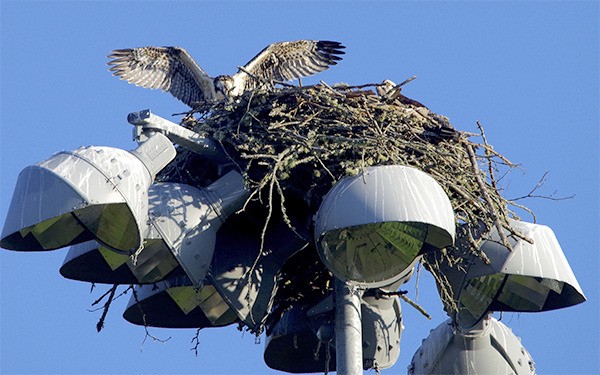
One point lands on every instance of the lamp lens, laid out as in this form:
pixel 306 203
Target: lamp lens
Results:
pixel 49 234
pixel 373 252
pixel 113 225
pixel 501 292
pixel 525 293
pixel 476 298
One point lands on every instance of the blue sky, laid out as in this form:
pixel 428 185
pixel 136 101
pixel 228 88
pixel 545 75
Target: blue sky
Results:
pixel 529 71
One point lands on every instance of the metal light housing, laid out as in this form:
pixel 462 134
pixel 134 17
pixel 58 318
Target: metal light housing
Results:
pixel 529 277
pixel 91 193
pixel 244 268
pixel 188 219
pixel 488 348
pixel 370 227
pixel 298 342
pixel 179 238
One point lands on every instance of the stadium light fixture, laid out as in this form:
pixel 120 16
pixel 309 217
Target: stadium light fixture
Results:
pixel 530 277
pixel 91 193
pixel 489 347
pixel 233 290
pixel 188 219
pixel 370 227
pixel 96 193
pixel 183 221
pixel 240 278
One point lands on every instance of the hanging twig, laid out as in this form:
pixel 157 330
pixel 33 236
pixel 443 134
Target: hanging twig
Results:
pixel 111 294
pixel 196 342
pixel 147 332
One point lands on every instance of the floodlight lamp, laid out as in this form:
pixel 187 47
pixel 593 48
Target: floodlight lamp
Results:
pixel 177 303
pixel 179 237
pixel 292 345
pixel 298 342
pixel 533 275
pixel 92 193
pixel 370 227
pixel 188 219
pixel 177 210
pixel 490 347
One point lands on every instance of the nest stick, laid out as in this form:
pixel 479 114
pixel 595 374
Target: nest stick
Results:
pixel 486 196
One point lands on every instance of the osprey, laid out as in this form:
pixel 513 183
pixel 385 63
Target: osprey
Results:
pixel 172 69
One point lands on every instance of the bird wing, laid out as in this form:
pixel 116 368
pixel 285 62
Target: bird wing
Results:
pixel 285 61
pixel 171 69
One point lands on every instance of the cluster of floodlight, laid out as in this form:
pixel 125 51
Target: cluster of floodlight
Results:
pixel 172 241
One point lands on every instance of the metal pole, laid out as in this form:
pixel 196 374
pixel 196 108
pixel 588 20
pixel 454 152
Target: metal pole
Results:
pixel 348 329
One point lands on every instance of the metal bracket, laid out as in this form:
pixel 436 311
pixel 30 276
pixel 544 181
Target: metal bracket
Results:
pixel 146 122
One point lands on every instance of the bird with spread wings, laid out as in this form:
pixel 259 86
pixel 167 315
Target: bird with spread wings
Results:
pixel 172 69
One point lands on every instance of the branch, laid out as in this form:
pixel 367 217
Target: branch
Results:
pixel 489 155
pixel 486 196
pixel 148 334
pixel 415 305
pixel 196 339
pixel 380 84
pixel 537 186
pixel 111 294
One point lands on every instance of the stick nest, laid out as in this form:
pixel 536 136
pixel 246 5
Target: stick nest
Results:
pixel 293 144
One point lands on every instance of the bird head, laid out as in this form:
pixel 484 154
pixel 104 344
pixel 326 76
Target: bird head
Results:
pixel 223 86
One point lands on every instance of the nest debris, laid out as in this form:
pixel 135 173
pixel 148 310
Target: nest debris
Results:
pixel 293 144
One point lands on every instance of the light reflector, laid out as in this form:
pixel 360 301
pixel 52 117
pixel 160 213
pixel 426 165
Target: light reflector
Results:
pixel 89 261
pixel 293 342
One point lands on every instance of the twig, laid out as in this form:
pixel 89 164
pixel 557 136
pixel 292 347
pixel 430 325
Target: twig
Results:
pixel 406 81
pixel 539 184
pixel 102 296
pixel 378 84
pixel 486 196
pixel 111 294
pixel 415 305
pixel 488 154
pixel 528 210
pixel 271 178
pixel 196 340
pixel 148 334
